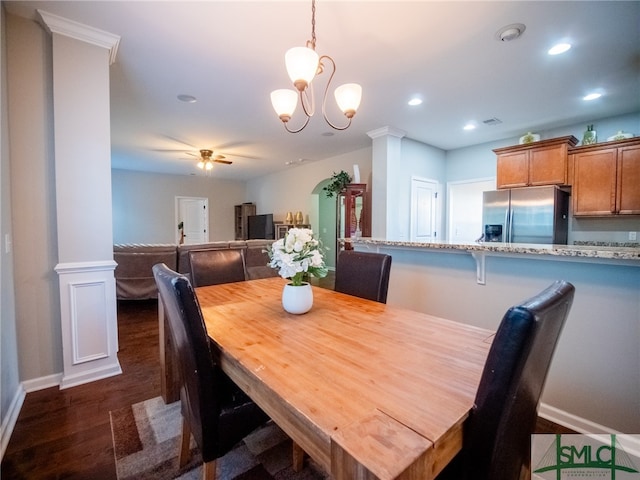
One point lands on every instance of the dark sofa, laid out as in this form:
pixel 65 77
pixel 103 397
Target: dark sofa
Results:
pixel 134 278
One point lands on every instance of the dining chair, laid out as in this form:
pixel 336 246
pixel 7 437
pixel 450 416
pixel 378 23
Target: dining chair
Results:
pixel 212 267
pixel 498 431
pixel 363 274
pixel 214 409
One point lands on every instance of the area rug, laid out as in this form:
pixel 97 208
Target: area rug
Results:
pixel 146 438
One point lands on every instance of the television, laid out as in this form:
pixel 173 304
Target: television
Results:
pixel 260 226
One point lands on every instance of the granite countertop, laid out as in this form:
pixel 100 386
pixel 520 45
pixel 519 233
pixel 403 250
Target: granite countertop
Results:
pixel 601 251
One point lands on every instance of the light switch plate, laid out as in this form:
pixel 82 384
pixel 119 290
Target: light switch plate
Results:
pixel 632 235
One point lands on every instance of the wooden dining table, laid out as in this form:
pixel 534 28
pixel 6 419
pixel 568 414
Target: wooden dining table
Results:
pixel 368 390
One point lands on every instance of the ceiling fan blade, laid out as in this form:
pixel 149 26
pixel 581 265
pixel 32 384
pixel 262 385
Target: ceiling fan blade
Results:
pixel 170 150
pixel 177 140
pixel 226 162
pixel 250 157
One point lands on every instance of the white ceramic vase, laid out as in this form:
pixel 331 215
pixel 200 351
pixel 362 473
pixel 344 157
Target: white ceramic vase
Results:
pixel 297 300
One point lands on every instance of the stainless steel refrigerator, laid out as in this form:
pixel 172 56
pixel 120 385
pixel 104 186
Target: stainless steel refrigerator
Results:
pixel 526 215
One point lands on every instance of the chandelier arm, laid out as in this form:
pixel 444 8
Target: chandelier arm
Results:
pixel 299 129
pixel 308 105
pixel 326 91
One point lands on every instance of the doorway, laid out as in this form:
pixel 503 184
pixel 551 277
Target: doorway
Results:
pixel 192 214
pixel 323 219
pixel 424 210
pixel 464 200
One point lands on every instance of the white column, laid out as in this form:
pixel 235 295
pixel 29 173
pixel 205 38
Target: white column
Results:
pixel 81 59
pixel 386 152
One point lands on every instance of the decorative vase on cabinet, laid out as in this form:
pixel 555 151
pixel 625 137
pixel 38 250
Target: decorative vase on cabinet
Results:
pixel 589 137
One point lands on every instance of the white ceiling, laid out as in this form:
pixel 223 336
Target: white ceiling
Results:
pixel 230 55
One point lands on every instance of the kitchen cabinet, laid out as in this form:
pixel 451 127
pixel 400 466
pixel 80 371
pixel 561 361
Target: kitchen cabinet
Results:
pixel 606 178
pixel 241 219
pixel 534 164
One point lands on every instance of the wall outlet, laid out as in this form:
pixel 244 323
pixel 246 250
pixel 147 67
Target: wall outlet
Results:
pixel 632 236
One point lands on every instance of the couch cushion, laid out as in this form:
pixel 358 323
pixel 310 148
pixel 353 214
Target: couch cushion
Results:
pixel 133 274
pixel 256 260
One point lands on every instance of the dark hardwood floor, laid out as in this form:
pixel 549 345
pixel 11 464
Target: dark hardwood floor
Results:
pixel 66 433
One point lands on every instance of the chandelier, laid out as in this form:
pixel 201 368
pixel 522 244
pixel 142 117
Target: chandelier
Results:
pixel 303 64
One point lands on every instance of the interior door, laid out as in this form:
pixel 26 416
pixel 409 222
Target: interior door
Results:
pixel 424 202
pixel 193 213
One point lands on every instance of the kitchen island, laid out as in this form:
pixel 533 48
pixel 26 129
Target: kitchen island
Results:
pixel 594 381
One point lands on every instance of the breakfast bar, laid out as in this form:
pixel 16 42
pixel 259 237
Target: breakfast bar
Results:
pixel 599 348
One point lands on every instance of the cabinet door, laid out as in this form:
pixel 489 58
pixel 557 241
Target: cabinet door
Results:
pixel 513 170
pixel 548 165
pixel 594 183
pixel 628 194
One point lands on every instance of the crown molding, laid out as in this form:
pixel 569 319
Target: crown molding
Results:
pixel 384 131
pixel 69 28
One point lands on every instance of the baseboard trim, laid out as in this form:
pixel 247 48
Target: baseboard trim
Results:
pixel 10 419
pixel 41 383
pixel 584 426
pixel 68 381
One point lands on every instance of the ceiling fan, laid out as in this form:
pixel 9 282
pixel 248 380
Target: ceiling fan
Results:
pixel 206 162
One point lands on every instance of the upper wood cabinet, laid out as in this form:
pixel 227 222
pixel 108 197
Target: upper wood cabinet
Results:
pixel 531 164
pixel 606 178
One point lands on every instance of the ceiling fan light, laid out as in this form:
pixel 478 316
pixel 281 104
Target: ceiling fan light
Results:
pixel 302 65
pixel 348 97
pixel 208 166
pixel 200 165
pixel 284 102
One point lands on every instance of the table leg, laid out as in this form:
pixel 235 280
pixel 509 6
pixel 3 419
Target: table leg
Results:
pixel 298 457
pixel 169 388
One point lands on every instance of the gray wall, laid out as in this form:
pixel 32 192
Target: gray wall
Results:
pixel 144 205
pixel 33 204
pixel 8 345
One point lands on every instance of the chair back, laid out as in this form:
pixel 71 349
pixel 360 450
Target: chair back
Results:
pixel 497 441
pixel 212 267
pixel 198 373
pixel 363 274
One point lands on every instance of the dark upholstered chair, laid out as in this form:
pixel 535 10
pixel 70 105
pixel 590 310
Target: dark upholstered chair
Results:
pixel 497 438
pixel 363 274
pixel 212 267
pixel 214 409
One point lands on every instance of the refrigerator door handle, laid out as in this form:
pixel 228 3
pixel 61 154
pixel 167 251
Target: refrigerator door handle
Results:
pixel 510 226
pixel 505 233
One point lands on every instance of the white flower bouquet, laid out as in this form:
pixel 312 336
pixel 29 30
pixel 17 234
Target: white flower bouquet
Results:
pixel 296 254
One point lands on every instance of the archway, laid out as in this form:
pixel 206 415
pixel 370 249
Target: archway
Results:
pixel 323 214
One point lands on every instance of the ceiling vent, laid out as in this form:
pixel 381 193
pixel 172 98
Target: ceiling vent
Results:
pixel 510 32
pixel 492 121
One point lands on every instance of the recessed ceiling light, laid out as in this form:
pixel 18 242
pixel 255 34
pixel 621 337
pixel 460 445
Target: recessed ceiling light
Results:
pixel 187 98
pixel 559 48
pixel 469 126
pixel 592 96
pixel 414 101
